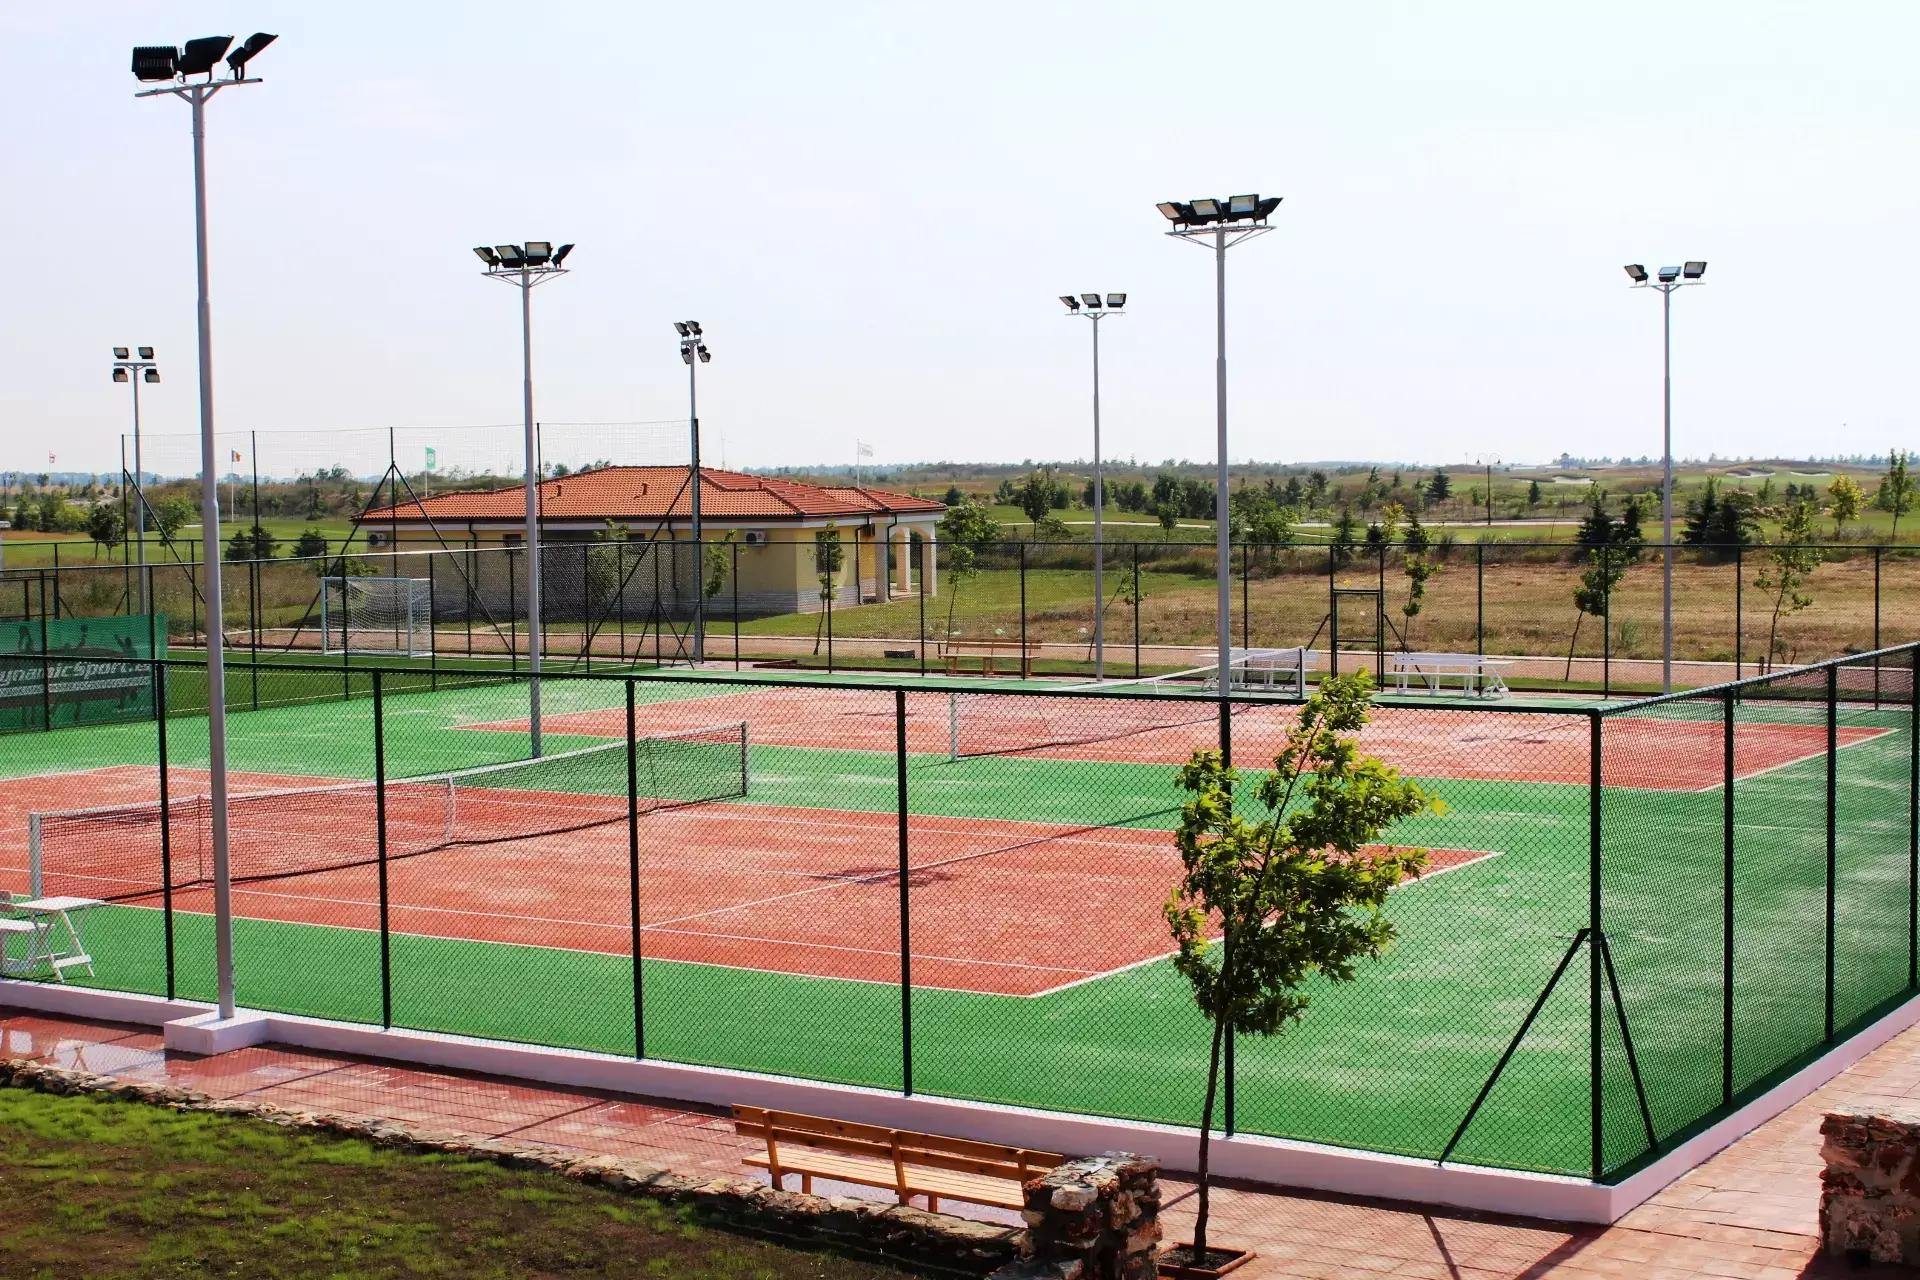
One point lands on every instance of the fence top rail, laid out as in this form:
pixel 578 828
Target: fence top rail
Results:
pixel 454 676
pixel 1909 651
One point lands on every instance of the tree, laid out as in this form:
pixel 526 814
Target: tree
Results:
pixel 716 565
pixel 1611 545
pixel 1418 566
pixel 967 532
pixel 1789 567
pixel 954 496
pixel 309 544
pixel 1721 521
pixel 105 526
pixel 1440 487
pixel 1169 517
pixel 1897 491
pixel 1051 528
pixel 828 557
pixel 1845 495
pixel 253 543
pixel 170 515
pixel 1533 494
pixel 1038 494
pixel 1342 541
pixel 1295 891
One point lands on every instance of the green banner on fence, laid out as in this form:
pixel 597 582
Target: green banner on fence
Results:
pixel 78 670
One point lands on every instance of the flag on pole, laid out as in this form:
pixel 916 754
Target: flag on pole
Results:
pixel 862 450
pixel 433 459
pixel 235 453
pixel 49 459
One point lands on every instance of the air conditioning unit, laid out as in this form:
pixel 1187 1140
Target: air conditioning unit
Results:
pixel 754 537
pixel 376 539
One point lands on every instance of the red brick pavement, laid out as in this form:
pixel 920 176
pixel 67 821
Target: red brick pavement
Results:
pixel 1747 1212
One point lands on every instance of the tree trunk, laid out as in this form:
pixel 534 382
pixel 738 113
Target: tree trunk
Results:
pixel 1573 643
pixel 1206 1137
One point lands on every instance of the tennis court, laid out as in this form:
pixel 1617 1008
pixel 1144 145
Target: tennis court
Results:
pixel 741 901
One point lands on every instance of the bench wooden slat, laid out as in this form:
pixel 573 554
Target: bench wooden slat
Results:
pixel 911 1164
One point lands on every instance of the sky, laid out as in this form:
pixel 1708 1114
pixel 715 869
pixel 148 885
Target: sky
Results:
pixel 872 208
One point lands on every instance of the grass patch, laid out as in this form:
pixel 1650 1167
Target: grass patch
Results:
pixel 110 1189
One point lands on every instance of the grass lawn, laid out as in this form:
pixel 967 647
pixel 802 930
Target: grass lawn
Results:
pixel 108 1189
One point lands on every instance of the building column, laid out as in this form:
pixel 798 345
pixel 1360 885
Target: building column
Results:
pixel 930 563
pixel 902 561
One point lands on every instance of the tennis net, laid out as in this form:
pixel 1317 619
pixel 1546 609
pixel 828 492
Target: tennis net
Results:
pixel 1002 723
pixel 118 852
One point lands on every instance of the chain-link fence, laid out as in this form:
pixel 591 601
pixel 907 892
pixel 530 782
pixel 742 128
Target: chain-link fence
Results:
pixel 1633 916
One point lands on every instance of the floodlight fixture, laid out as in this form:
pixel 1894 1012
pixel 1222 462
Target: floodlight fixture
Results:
pixel 119 374
pixel 511 255
pixel 706 356
pixel 197 57
pixel 1092 301
pixel 680 327
pixel 1669 274
pixel 1073 303
pixel 1693 270
pixel 154 61
pixel 120 353
pixel 1207 208
pixel 1115 301
pixel 153 375
pixel 693 327
pixel 1175 212
pixel 1242 206
pixel 539 252
pixel 486 254
pixel 1636 273
pixel 237 61
pixel 146 353
pixel 560 254
pixel 1265 207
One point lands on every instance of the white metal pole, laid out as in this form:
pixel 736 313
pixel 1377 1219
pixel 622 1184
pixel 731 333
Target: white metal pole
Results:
pixel 1222 538
pixel 1666 492
pixel 139 503
pixel 532 538
pixel 699 551
pixel 210 569
pixel 1099 528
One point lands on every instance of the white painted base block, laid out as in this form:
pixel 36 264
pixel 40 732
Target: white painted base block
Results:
pixel 206 1034
pixel 1273 1161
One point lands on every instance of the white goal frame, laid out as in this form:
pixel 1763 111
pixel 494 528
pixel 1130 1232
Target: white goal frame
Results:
pixel 376 614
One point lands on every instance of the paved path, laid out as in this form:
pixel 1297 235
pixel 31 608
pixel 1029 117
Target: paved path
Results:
pixel 1747 1212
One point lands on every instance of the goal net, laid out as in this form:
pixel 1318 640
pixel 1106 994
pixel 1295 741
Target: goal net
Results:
pixel 376 615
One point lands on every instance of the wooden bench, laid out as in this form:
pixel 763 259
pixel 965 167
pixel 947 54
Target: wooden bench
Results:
pixel 986 651
pixel 909 1164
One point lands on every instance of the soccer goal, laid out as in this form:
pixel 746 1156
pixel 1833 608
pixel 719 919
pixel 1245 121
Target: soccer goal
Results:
pixel 376 615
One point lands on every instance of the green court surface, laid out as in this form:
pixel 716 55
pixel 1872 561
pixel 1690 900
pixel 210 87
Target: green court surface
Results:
pixel 1390 1062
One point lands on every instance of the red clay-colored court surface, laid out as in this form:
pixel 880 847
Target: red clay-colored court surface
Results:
pixel 1439 742
pixel 999 907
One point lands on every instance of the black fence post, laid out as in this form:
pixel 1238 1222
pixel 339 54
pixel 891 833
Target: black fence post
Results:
pixel 166 820
pixel 46 678
pixel 1726 897
pixel 513 630
pixel 1480 598
pixel 1913 819
pixel 1876 625
pixel 633 876
pixel 380 837
pixel 734 578
pixel 1595 1049
pixel 1333 611
pixel 1023 604
pixel 1136 607
pixel 259 615
pixel 1246 610
pixel 906 917
pixel 1739 631
pixel 833 589
pixel 1833 829
pixel 1606 624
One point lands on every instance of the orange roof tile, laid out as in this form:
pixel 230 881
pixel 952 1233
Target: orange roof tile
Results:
pixel 656 493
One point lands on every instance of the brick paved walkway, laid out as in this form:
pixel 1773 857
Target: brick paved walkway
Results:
pixel 1747 1212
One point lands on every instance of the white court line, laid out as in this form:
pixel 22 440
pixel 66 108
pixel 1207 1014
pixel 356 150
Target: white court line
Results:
pixel 1479 856
pixel 1872 736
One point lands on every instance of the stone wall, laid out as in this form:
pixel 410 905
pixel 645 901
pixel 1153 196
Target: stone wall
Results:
pixel 1094 1218
pixel 1870 1188
pixel 875 1228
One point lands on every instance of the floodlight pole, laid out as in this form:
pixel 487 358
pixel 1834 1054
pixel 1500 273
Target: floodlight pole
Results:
pixel 136 370
pixel 526 277
pixel 1096 315
pixel 693 478
pixel 196 96
pixel 1665 287
pixel 1224 236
